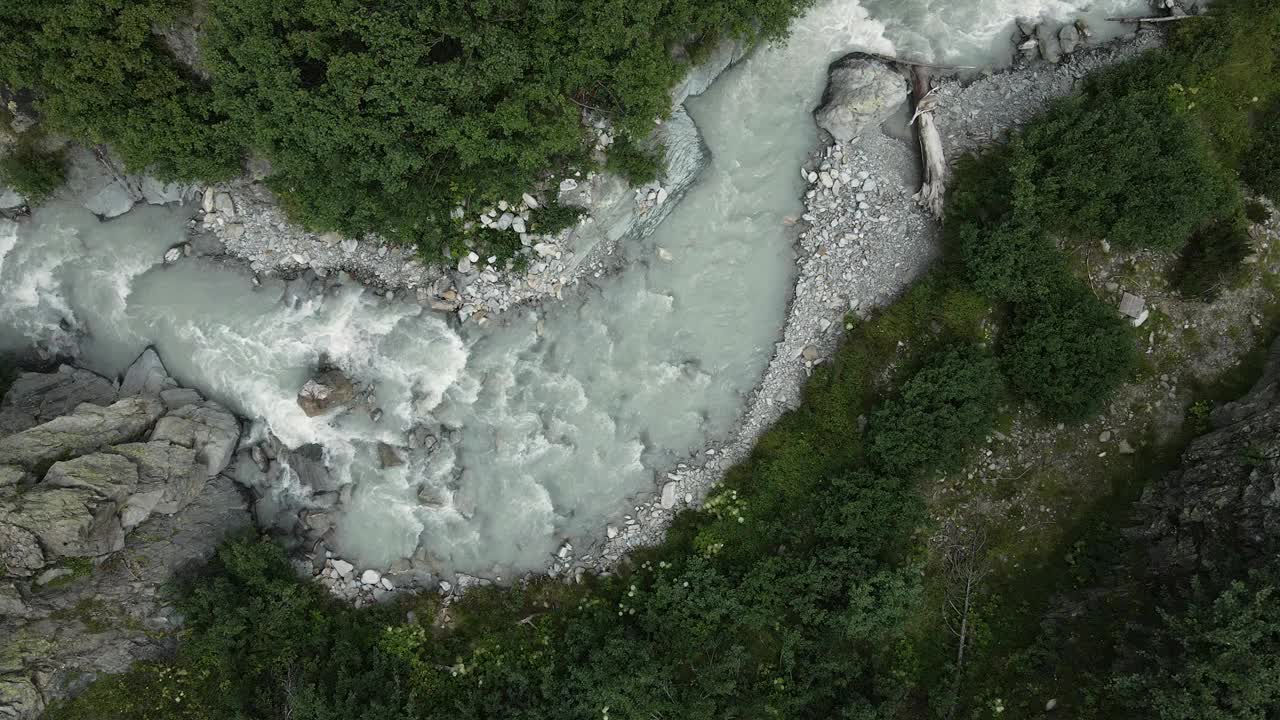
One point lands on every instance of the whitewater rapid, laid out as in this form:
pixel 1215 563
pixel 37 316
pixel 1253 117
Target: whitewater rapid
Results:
pixel 550 419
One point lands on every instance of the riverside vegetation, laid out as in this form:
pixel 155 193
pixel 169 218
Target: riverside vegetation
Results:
pixel 805 587
pixel 375 117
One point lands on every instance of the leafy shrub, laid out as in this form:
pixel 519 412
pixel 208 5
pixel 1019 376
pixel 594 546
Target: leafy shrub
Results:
pixel 1262 166
pixel 1211 259
pixel 388 123
pixel 553 217
pixel 1256 212
pixel 1067 355
pixel 945 406
pixel 33 172
pixel 102 76
pixel 636 164
pixel 1216 660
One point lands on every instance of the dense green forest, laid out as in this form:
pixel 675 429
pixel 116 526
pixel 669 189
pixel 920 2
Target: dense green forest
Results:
pixel 807 587
pixel 376 116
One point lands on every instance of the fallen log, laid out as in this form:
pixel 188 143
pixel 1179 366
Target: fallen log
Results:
pixel 933 187
pixel 1159 19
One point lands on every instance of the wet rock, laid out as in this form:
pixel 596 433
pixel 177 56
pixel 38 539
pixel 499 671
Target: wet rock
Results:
pixel 326 391
pixel 156 192
pixel 388 456
pixel 113 199
pixel 861 93
pixel 173 255
pixel 146 376
pixel 343 567
pixel 1050 48
pixel 307 464
pixel 1069 38
pixel 207 428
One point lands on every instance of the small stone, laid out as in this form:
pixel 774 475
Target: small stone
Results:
pixel 568 185
pixel 464 265
pixel 1126 448
pixel 810 353
pixel 611 531
pixel 1132 305
pixel 371 577
pixel 1105 436
pixel 529 201
pixel 343 567
pixel 473 257
pixel 386 583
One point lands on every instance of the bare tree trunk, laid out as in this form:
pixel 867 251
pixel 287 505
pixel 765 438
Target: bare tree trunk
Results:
pixel 933 188
pixel 966 565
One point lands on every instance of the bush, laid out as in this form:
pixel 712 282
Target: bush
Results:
pixel 1211 259
pixel 1256 212
pixel 103 76
pixel 941 410
pixel 636 164
pixel 1067 355
pixel 1215 660
pixel 1262 166
pixel 387 124
pixel 33 172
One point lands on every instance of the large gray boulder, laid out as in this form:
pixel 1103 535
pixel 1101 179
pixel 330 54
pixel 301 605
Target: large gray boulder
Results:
pixel 75 510
pixel 862 93
pixel 112 198
pixel 146 376
pixel 88 429
pixel 169 478
pixel 36 398
pixel 54 639
pixel 207 428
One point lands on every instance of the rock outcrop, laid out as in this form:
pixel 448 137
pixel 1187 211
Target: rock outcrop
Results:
pixel 862 92
pixel 1222 505
pixel 99 507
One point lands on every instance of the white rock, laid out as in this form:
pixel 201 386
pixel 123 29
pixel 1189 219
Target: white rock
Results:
pixel 568 185
pixel 662 195
pixel 529 201
pixel 611 531
pixel 172 255
pixel 664 254
pixel 517 224
pixel 371 577
pixel 464 265
pixel 386 583
pixel 349 245
pixel 669 496
pixel 473 257
pixel 343 567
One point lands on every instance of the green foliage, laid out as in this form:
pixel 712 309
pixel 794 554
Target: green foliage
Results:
pixel 386 116
pixel 1216 660
pixel 1256 212
pixel 1067 355
pixel 553 217
pixel 33 172
pixel 103 76
pixel 1212 258
pixel 1262 165
pixel 946 406
pixel 638 165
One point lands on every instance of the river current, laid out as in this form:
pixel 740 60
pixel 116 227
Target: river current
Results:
pixel 551 419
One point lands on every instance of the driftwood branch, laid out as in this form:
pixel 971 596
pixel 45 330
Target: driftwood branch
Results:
pixel 913 63
pixel 933 188
pixel 1160 19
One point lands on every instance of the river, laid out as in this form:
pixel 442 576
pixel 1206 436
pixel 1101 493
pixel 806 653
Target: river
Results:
pixel 551 418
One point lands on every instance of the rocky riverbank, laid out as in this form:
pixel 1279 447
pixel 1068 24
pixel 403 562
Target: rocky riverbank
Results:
pixel 862 240
pixel 109 488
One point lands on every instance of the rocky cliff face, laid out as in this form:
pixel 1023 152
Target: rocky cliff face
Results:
pixel 1222 505
pixel 107 490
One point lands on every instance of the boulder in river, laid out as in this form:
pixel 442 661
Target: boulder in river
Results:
pixel 862 92
pixel 326 391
